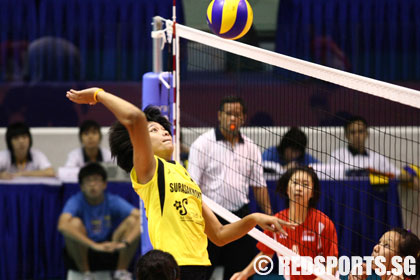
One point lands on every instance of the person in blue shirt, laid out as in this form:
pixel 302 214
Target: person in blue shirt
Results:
pixel 291 152
pixel 101 230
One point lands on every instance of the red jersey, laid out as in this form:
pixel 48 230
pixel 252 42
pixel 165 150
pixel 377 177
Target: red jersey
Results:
pixel 316 236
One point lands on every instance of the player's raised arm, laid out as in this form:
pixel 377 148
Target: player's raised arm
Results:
pixel 132 118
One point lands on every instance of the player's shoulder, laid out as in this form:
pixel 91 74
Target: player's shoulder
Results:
pixel 171 164
pixel 320 216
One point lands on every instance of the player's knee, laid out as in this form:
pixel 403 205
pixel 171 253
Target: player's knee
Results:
pixel 78 224
pixel 131 221
pixel 134 220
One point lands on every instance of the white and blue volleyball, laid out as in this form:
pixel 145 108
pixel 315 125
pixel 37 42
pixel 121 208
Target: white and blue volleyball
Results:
pixel 229 19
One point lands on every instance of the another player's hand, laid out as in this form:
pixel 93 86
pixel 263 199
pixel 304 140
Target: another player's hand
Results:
pixel 273 223
pixel 85 96
pixel 239 276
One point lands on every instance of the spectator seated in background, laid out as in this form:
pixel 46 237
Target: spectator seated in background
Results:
pixel 157 264
pixel 90 137
pixel 20 159
pixel 315 234
pixel 101 230
pixel 356 158
pixel 52 59
pixel 291 152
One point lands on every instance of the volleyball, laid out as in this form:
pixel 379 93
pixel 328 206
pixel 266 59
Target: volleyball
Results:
pixel 229 19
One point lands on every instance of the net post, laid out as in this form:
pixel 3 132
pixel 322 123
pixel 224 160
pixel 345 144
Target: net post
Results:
pixel 157 42
pixel 175 86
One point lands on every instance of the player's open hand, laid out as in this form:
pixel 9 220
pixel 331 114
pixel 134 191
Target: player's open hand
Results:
pixel 86 96
pixel 273 223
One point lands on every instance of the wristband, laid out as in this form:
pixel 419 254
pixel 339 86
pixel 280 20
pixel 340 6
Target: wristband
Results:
pixel 96 93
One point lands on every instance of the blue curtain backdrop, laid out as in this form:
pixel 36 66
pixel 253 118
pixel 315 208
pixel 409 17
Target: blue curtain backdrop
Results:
pixel 103 40
pixel 374 38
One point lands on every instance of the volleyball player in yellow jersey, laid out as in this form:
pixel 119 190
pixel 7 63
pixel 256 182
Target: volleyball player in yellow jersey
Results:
pixel 179 222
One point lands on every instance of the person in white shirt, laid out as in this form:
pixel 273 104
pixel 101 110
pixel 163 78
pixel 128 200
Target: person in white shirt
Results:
pixel 226 164
pixel 90 137
pixel 20 159
pixel 356 156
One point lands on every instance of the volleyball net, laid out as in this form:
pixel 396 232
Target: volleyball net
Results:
pixel 301 113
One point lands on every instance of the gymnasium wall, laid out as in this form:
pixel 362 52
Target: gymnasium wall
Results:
pixel 389 141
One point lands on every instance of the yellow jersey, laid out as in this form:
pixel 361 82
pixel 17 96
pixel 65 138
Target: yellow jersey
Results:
pixel 174 212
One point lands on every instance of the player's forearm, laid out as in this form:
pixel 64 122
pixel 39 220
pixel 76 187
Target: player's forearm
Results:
pixel 236 230
pixel 124 111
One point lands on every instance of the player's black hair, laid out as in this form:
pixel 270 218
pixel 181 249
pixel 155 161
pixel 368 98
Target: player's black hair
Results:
pixel 157 264
pixel 283 184
pixel 409 246
pixel 119 139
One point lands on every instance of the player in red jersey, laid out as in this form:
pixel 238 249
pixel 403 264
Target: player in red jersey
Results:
pixel 315 234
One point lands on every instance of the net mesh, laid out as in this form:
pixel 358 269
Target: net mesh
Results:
pixel 369 174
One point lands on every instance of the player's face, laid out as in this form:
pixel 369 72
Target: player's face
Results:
pixel 93 187
pixel 387 247
pixel 91 138
pixel 161 140
pixel 357 134
pixel 231 118
pixel 20 145
pixel 300 188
